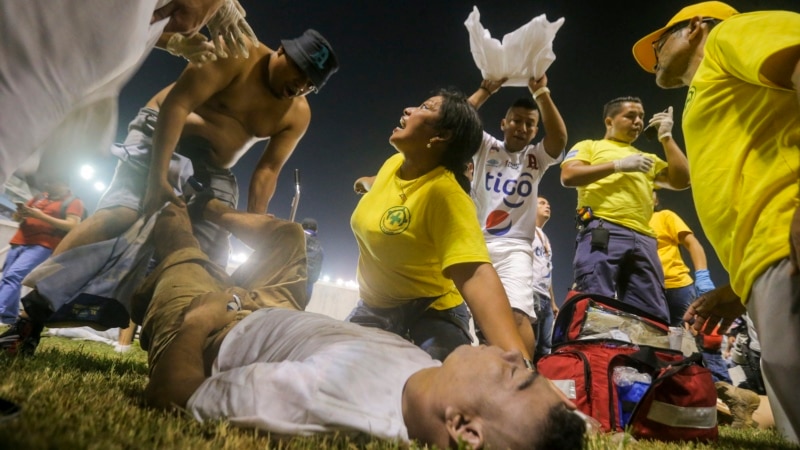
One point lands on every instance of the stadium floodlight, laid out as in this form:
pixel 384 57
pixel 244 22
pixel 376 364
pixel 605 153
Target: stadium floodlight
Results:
pixel 239 257
pixel 87 172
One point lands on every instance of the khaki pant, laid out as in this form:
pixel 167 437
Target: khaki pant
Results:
pixel 273 276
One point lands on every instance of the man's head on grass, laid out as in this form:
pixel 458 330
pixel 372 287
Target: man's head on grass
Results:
pixel 487 398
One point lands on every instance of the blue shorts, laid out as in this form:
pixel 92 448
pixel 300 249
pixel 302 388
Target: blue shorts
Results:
pixel 628 269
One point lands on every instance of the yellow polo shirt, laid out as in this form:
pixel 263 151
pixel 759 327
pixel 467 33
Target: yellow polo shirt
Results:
pixel 743 143
pixel 404 246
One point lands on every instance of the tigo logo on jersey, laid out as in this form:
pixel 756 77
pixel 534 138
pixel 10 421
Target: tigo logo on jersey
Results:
pixel 515 190
pixel 498 223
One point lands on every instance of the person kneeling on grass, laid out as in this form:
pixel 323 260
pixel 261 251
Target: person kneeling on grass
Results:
pixel 240 347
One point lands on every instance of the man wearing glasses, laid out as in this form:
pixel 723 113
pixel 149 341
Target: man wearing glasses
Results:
pixel 741 123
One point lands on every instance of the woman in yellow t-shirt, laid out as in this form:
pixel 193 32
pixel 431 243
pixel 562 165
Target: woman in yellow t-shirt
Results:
pixel 421 251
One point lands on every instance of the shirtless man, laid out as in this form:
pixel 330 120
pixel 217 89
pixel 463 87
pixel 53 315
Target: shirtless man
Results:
pixel 211 116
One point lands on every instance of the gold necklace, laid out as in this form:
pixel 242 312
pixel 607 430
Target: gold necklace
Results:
pixel 399 183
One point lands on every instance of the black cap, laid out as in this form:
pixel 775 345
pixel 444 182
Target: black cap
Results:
pixel 314 55
pixel 309 224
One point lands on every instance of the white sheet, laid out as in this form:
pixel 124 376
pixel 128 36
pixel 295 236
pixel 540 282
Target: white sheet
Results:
pixel 524 53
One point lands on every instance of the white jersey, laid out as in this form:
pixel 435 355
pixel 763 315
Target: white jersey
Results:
pixel 542 264
pixel 505 187
pixel 300 373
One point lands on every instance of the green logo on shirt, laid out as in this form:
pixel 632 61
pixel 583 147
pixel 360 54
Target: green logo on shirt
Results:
pixel 689 98
pixel 395 220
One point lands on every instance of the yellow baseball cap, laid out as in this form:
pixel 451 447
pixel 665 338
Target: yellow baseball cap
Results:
pixel 643 49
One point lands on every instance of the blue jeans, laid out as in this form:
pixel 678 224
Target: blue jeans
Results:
pixel 438 332
pixel 544 325
pixel 717 366
pixel 628 269
pixel 678 301
pixel 20 261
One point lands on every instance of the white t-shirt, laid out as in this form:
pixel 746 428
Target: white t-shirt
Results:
pixel 505 187
pixel 542 264
pixel 300 373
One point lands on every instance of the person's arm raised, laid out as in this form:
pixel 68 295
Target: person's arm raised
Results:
pixel 486 89
pixel 676 175
pixel 555 130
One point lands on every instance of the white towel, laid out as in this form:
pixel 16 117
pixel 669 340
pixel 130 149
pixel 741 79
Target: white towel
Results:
pixel 524 53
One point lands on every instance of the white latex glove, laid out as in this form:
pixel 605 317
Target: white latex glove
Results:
pixel 196 48
pixel 633 163
pixel 665 122
pixel 228 30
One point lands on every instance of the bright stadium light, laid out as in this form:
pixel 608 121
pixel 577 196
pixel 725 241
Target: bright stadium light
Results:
pixel 100 186
pixel 239 257
pixel 87 172
pixel 326 278
pixel 339 282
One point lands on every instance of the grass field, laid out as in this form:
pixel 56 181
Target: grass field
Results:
pixel 83 395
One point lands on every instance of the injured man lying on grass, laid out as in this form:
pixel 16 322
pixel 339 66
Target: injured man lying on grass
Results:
pixel 240 348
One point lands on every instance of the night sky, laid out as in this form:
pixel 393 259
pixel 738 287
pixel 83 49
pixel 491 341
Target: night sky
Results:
pixel 393 54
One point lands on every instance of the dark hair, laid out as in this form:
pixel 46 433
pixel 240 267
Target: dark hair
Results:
pixel 459 117
pixel 525 103
pixel 309 224
pixel 562 430
pixel 613 107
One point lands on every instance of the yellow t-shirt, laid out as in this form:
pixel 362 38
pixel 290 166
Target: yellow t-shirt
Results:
pixel 669 227
pixel 404 247
pixel 743 143
pixel 624 198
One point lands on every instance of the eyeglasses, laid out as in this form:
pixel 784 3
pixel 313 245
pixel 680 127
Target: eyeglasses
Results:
pixel 308 88
pixel 659 43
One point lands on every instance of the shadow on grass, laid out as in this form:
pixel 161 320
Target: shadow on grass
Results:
pixel 85 360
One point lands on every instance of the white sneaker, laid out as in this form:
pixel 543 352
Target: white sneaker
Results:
pixel 122 348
